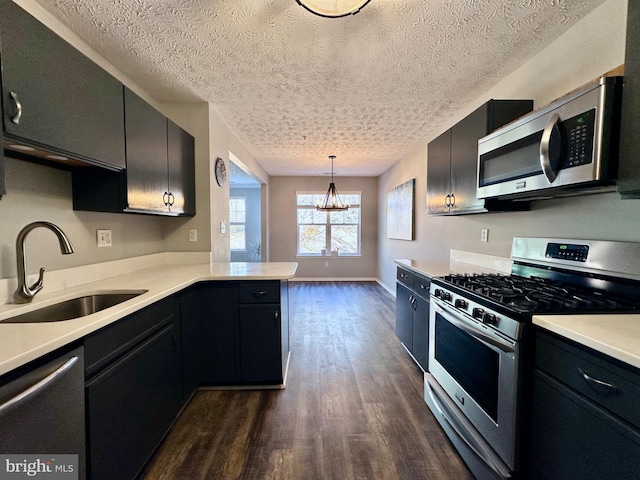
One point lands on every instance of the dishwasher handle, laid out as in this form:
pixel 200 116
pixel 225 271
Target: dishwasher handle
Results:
pixel 38 386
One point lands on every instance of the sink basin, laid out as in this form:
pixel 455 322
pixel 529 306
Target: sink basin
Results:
pixel 75 308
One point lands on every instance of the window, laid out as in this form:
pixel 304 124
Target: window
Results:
pixel 329 231
pixel 237 223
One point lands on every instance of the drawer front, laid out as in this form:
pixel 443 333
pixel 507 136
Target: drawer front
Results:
pixel 104 346
pixel 405 277
pixel 421 286
pixel 259 292
pixel 611 386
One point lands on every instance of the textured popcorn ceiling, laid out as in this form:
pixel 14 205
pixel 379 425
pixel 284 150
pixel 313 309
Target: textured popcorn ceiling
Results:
pixel 295 87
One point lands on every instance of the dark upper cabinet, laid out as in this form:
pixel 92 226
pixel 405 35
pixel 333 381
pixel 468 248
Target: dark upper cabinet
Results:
pixel 160 174
pixel 180 159
pixel 453 158
pixel 54 99
pixel 629 167
pixel 146 141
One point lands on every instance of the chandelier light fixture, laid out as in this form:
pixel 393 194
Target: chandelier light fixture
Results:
pixel 332 202
pixel 333 8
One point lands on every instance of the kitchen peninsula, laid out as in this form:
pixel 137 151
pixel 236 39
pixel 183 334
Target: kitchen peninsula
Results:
pixel 21 343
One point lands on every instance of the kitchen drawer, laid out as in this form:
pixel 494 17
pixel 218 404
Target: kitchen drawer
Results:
pixel 569 363
pixel 259 292
pixel 421 286
pixel 109 343
pixel 405 277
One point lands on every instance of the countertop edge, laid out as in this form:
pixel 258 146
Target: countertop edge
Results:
pixel 23 343
pixel 612 335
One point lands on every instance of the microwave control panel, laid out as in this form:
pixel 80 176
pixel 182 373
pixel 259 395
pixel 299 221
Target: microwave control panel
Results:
pixel 578 139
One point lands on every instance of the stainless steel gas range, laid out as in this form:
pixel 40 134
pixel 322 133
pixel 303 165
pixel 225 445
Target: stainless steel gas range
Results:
pixel 480 347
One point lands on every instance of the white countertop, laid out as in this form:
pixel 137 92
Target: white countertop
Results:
pixel 615 335
pixel 435 268
pixel 22 342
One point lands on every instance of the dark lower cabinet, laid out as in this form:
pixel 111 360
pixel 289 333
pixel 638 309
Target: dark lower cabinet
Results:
pixel 421 332
pixel 260 346
pixel 412 314
pixel 209 336
pixel 404 315
pixel 584 415
pixel 134 398
pixel 235 333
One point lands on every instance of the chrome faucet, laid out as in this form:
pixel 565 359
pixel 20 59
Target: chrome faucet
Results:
pixel 25 293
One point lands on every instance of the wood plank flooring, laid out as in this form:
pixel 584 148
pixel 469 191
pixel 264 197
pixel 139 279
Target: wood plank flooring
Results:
pixel 352 409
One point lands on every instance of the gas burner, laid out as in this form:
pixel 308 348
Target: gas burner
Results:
pixel 541 295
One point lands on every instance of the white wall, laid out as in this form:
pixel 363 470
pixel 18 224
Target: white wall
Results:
pixel 593 46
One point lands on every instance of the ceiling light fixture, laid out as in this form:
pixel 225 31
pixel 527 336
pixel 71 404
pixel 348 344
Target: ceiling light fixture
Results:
pixel 332 202
pixel 333 8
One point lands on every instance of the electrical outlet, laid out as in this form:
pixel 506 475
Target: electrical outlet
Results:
pixel 223 227
pixel 193 235
pixel 484 235
pixel 326 264
pixel 103 238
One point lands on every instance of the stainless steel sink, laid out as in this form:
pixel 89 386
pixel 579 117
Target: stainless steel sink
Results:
pixel 75 308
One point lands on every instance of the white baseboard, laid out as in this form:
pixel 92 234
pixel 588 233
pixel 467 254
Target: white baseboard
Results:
pixel 329 279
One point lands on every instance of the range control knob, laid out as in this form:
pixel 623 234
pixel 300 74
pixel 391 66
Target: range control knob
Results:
pixel 460 303
pixel 437 293
pixel 477 313
pixel 489 319
pixel 446 296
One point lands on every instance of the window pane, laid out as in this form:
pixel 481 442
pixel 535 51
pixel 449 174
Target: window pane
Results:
pixel 311 215
pixel 237 210
pixel 311 238
pixel 351 198
pixel 237 237
pixel 352 215
pixel 309 199
pixel 345 239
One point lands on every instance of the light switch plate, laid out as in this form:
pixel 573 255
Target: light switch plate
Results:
pixel 223 227
pixel 103 238
pixel 193 235
pixel 484 235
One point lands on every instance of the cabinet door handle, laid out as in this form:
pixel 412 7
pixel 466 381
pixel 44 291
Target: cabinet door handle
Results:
pixel 276 315
pixel 259 294
pixel 453 200
pixel 165 199
pixel 446 201
pixel 602 386
pixel 16 118
pixel 171 199
pixel 38 386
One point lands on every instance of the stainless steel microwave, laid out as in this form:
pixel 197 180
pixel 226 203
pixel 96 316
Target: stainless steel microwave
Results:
pixel 567 147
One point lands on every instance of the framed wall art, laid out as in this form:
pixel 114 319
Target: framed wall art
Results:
pixel 400 211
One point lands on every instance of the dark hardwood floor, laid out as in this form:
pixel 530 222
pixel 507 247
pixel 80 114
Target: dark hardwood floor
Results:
pixel 352 408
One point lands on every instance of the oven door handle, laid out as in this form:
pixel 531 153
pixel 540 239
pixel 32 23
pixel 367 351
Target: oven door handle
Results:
pixel 474 332
pixel 464 432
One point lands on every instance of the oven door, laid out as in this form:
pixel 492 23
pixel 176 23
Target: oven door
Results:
pixel 477 368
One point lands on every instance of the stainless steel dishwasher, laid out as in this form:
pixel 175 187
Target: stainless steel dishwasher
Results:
pixel 42 409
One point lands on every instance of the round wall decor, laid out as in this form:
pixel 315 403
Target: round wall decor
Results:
pixel 221 171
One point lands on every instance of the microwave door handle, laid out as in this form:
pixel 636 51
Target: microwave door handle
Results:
pixel 550 148
pixel 474 332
